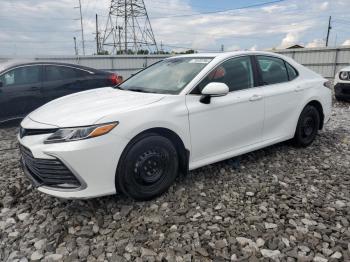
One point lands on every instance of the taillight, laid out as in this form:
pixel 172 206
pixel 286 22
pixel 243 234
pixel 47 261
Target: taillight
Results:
pixel 115 79
pixel 328 84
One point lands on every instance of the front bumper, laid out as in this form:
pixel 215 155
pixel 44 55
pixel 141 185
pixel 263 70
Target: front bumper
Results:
pixel 49 172
pixel 342 90
pixel 89 165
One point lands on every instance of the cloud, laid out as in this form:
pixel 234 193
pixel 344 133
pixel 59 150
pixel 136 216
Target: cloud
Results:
pixel 290 39
pixel 274 8
pixel 324 6
pixel 233 48
pixel 316 43
pixel 253 48
pixel 346 42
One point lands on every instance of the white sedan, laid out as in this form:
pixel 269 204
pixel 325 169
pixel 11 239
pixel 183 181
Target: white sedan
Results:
pixel 177 115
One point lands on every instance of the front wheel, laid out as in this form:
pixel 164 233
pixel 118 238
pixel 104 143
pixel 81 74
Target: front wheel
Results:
pixel 147 168
pixel 307 128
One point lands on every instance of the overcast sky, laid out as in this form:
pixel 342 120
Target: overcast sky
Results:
pixel 34 27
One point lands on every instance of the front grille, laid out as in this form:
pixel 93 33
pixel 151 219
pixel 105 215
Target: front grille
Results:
pixel 32 132
pixel 346 91
pixel 48 172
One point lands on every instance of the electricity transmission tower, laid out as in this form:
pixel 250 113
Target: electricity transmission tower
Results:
pixel 128 28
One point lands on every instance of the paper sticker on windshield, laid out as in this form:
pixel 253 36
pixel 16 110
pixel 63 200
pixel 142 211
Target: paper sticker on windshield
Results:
pixel 200 61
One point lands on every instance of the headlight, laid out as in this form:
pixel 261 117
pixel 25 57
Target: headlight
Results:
pixel 344 75
pixel 79 133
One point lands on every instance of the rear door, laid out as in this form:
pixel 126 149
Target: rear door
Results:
pixel 20 91
pixel 60 80
pixel 282 92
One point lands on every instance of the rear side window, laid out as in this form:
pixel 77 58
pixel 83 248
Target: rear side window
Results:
pixel 21 76
pixel 292 73
pixel 273 70
pixel 54 73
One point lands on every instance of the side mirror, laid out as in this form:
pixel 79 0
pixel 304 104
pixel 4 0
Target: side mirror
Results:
pixel 213 89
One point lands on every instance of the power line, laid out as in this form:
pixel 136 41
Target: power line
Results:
pixel 222 11
pixel 190 48
pixel 40 42
pixel 37 31
pixel 36 17
pixel 341 22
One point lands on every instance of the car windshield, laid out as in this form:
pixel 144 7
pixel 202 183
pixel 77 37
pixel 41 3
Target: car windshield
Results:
pixel 169 76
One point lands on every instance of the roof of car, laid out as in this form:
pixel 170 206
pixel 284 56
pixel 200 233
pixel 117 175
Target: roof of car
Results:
pixel 229 54
pixel 13 63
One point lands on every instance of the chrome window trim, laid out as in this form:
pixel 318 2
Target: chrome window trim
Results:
pixel 80 69
pixel 45 64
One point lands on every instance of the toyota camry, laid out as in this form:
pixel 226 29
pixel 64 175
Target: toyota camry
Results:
pixel 177 115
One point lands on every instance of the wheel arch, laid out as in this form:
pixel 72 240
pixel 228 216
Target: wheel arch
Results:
pixel 318 106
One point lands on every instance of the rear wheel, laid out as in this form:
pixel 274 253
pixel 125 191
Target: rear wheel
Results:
pixel 147 168
pixel 307 128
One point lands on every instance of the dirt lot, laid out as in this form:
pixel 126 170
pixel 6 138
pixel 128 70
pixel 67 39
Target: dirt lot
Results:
pixel 282 203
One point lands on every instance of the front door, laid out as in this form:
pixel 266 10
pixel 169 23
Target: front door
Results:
pixel 230 122
pixel 20 91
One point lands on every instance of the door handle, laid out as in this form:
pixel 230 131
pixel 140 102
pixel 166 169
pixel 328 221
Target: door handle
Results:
pixel 34 88
pixel 255 97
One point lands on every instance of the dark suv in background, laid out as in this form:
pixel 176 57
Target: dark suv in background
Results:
pixel 26 86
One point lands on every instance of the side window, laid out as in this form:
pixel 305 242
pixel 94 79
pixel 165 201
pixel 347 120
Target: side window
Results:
pixel 236 73
pixel 21 76
pixel 292 73
pixel 54 73
pixel 273 70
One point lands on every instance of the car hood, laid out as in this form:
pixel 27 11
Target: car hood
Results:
pixel 86 108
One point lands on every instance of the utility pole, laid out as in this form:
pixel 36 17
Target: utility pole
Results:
pixel 75 45
pixel 328 30
pixel 125 23
pixel 82 27
pixel 97 37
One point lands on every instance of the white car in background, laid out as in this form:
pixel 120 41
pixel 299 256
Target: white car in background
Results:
pixel 176 115
pixel 342 84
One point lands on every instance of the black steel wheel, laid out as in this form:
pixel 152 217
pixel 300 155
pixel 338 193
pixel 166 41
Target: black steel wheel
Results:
pixel 147 168
pixel 308 126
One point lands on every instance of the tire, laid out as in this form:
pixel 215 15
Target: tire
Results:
pixel 308 126
pixel 148 167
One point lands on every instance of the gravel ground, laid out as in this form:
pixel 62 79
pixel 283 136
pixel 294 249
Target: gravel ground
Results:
pixel 281 204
